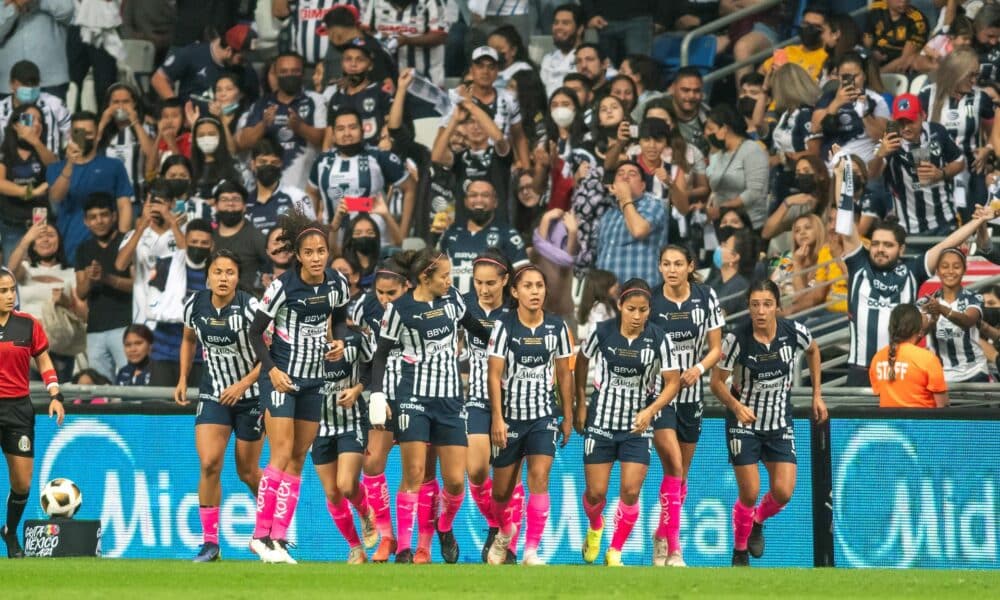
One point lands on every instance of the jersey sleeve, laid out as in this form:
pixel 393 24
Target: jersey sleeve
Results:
pixel 319 115
pixel 803 337
pixel 975 301
pixel 730 352
pixel 950 151
pixel 392 166
pixel 667 360
pixel 250 309
pixel 255 114
pixel 176 64
pixel 391 323
pixel 188 315
pixel 498 340
pixel 564 346
pixel 802 132
pixel 357 312
pixel 716 317
pixel 274 298
pixel 340 292
pixel 367 347
pixel 39 341
pixel 856 260
pixel 592 346
pixel 460 306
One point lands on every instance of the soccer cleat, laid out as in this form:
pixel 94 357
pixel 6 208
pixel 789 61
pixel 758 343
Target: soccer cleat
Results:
pixel 755 543
pixel 422 557
pixel 14 549
pixel 498 549
pixel 356 556
pixel 613 558
pixel 404 557
pixel 369 534
pixel 592 545
pixel 264 548
pixel 281 554
pixel 489 541
pixel 676 559
pixel 209 552
pixel 386 548
pixel 741 558
pixel 659 552
pixel 531 559
pixel 449 547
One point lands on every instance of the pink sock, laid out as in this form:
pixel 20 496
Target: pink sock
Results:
pixel 625 518
pixel 209 523
pixel 742 523
pixel 670 512
pixel 517 514
pixel 684 492
pixel 360 501
pixel 378 498
pixel 767 508
pixel 481 494
pixel 266 497
pixel 287 496
pixel 538 514
pixel 426 501
pixel 594 513
pixel 450 505
pixel 406 505
pixel 342 518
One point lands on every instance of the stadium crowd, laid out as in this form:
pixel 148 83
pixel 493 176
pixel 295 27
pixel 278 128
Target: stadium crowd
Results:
pixel 599 164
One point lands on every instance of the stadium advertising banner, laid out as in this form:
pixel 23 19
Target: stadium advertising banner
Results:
pixel 139 476
pixel 916 493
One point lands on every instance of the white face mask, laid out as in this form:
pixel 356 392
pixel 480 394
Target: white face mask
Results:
pixel 208 144
pixel 562 116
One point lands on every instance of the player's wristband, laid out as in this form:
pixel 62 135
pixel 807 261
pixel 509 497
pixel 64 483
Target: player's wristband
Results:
pixel 50 378
pixel 700 367
pixel 57 397
pixel 376 408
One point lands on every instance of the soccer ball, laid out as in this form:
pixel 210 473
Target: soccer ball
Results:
pixel 61 498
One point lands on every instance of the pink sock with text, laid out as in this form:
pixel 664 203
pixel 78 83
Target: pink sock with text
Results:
pixel 266 496
pixel 377 493
pixel 482 495
pixel 450 505
pixel 594 513
pixel 286 498
pixel 625 518
pixel 344 520
pixel 538 515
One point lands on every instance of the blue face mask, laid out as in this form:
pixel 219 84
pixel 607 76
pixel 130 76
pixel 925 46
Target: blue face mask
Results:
pixel 28 95
pixel 717 258
pixel 230 108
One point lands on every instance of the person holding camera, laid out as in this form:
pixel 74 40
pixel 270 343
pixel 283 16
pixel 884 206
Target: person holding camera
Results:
pixel 23 190
pixel 854 116
pixel 920 161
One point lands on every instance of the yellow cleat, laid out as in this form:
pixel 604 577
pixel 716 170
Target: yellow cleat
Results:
pixel 592 545
pixel 613 558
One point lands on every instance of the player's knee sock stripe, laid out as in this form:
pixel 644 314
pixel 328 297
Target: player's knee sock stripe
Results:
pixel 342 518
pixel 742 524
pixel 768 508
pixel 538 515
pixel 450 507
pixel 594 512
pixel 625 518
pixel 209 523
pixel 16 504
pixel 406 504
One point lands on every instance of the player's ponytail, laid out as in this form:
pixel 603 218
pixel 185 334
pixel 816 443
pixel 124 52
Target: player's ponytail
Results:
pixel 905 322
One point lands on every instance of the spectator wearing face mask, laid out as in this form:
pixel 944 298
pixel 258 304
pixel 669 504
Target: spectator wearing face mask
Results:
pixel 25 90
pixel 811 54
pixel 175 173
pixel 512 51
pixel 196 67
pixel 235 233
pixel 123 134
pixel 271 197
pixel 363 246
pixel 356 90
pixel 565 154
pixel 210 159
pixel 738 171
pixel 36 31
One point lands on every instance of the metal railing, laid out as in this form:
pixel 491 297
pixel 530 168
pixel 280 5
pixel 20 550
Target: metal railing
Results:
pixel 719 24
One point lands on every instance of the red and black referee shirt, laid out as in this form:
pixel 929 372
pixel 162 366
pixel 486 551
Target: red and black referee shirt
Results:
pixel 21 339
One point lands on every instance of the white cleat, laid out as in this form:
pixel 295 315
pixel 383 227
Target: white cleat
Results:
pixel 369 533
pixel 281 554
pixel 676 559
pixel 498 551
pixel 659 552
pixel 262 547
pixel 356 556
pixel 531 559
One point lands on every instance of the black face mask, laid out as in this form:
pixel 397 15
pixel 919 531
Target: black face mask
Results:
pixel 480 216
pixel 716 141
pixel 365 245
pixel 290 84
pixel 356 79
pixel 198 255
pixel 351 149
pixel 745 106
pixel 805 182
pixel 229 218
pixel 812 37
pixel 268 175
pixel 178 187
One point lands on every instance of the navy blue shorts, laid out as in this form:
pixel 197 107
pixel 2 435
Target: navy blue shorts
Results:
pixel 327 449
pixel 479 417
pixel 748 447
pixel 602 447
pixel 436 421
pixel 245 418
pixel 527 438
pixel 685 419
pixel 304 404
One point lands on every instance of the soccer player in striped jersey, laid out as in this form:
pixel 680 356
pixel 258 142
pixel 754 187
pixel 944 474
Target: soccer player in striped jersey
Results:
pixel 339 448
pixel 219 319
pixel 630 354
pixel 424 323
pixel 300 303
pixel 691 316
pixel 953 332
pixel 487 301
pixel 529 354
pixel 760 356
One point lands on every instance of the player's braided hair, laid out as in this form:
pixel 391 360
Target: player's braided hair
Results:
pixel 904 323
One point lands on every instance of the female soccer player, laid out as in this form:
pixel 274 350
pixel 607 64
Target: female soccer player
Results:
pixel 424 323
pixel 21 339
pixel 339 448
pixel 526 349
pixel 631 354
pixel 954 329
pixel 300 303
pixel 761 355
pixel 228 397
pixel 691 316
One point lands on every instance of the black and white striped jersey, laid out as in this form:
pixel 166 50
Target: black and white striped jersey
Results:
pixel 959 350
pixel 300 312
pixel 625 372
pixel 478 357
pixel 224 334
pixel 341 375
pixel 54 113
pixel 920 207
pixel 687 325
pixel 366 314
pixel 762 373
pixel 528 383
pixel 124 146
pixel 407 19
pixel 962 118
pixel 308 33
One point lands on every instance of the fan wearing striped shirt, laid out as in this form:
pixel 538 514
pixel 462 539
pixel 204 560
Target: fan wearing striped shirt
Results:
pixel 529 356
pixel 691 315
pixel 218 318
pixel 304 304
pixel 760 356
pixel 424 323
pixel 631 354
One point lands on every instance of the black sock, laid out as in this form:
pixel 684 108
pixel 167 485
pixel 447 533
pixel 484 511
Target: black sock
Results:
pixel 16 504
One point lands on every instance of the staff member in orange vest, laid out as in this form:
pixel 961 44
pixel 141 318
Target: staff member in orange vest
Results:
pixel 904 375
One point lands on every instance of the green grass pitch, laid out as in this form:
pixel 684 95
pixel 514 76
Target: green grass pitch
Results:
pixel 96 578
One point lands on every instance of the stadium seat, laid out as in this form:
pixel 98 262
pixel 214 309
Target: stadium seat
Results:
pixel 425 130
pixel 918 83
pixel 667 52
pixel 895 84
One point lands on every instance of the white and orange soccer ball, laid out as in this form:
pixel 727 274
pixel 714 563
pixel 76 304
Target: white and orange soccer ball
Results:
pixel 61 498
